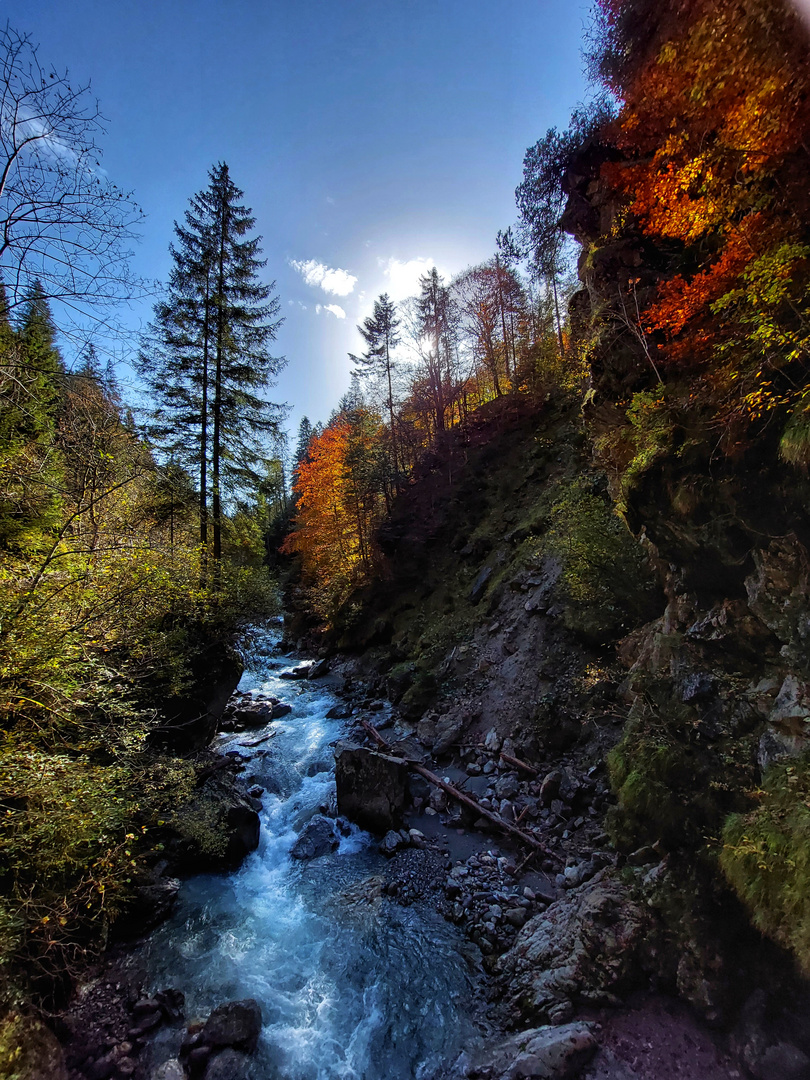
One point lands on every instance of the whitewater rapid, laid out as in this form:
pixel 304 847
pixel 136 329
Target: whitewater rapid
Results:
pixel 351 985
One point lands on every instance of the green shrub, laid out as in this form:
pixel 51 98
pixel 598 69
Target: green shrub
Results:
pixel 766 857
pixel 606 577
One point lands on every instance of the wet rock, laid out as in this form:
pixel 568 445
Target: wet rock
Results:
pixel 253 715
pixel 319 669
pixel 236 1024
pixel 391 842
pixel 545 1053
pixel 371 787
pixel 296 674
pixel 228 1065
pixel 339 712
pixel 583 947
pixel 318 837
pixel 169 1070
pixel 198 1058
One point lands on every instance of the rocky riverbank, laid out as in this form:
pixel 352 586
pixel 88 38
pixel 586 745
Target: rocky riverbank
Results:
pixel 579 961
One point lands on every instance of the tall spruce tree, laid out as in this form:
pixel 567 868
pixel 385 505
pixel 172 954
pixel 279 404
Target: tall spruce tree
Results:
pixel 207 360
pixel 381 335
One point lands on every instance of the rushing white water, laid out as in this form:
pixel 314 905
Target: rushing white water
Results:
pixel 349 985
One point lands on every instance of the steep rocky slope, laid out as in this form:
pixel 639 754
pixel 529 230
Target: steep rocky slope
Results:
pixel 517 606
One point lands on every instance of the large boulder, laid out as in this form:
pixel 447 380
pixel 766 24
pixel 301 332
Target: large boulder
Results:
pixel 544 1053
pixel 371 787
pixel 215 829
pixel 236 1024
pixel 583 948
pixel 191 719
pixel 228 1065
pixel 318 837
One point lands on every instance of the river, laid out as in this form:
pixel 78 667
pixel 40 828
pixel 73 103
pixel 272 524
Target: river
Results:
pixel 349 985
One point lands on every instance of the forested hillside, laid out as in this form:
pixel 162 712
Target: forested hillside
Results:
pixel 560 512
pixel 685 343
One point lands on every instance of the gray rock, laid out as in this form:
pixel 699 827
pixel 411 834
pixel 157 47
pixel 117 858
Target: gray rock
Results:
pixel 550 787
pixel 493 741
pixel 449 729
pixel 296 673
pixel 319 669
pixel 318 837
pixel 228 1065
pixel 235 1024
pixel 371 787
pixel 586 945
pixel 784 1060
pixel 391 842
pixel 169 1070
pixel 544 1053
pixel 507 787
pixel 252 715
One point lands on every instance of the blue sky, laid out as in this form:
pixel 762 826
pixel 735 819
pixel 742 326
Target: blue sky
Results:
pixel 369 138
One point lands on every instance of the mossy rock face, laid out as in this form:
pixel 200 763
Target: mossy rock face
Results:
pixel 766 857
pixel 677 771
pixel 607 582
pixel 29 1050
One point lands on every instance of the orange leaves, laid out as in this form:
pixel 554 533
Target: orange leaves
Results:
pixel 338 488
pixel 717 108
pixel 682 302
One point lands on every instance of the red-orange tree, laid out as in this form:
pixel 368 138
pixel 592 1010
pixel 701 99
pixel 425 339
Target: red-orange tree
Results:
pixel 714 137
pixel 339 492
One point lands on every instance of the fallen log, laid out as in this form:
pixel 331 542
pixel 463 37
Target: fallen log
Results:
pixel 518 764
pixel 461 796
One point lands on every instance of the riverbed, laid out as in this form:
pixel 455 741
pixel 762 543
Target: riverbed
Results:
pixel 351 984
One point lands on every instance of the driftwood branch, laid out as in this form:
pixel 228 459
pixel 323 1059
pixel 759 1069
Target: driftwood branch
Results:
pixel 461 796
pixel 518 764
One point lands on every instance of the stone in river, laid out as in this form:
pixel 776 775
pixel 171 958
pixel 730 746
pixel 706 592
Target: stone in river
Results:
pixel 236 1024
pixel 318 837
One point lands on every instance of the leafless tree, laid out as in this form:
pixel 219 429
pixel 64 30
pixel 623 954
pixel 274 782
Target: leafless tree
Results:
pixel 63 222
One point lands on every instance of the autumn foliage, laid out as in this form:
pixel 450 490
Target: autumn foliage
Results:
pixel 712 136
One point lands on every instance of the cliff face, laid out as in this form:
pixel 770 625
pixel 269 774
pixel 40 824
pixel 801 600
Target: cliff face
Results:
pixel 719 684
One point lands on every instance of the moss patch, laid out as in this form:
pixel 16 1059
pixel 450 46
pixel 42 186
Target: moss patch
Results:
pixel 766 857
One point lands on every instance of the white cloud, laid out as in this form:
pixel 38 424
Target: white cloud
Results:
pixel 403 277
pixel 331 279
pixel 336 310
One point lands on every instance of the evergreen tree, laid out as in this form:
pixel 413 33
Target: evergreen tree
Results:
pixel 31 387
pixel 381 335
pixel 209 360
pixel 305 430
pixel 436 319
